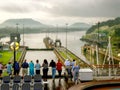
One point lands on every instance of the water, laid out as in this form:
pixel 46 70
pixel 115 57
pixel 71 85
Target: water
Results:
pixel 36 41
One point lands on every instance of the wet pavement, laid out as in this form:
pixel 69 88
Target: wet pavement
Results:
pixel 49 85
pixel 58 84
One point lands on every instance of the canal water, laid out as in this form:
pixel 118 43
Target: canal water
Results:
pixel 36 41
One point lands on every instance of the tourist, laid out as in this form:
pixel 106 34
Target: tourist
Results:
pixel 53 65
pixel 59 68
pixel 67 64
pixel 16 68
pixel 37 66
pixel 76 73
pixel 45 69
pixel 72 65
pixel 1 67
pixel 25 68
pixel 9 68
pixel 31 68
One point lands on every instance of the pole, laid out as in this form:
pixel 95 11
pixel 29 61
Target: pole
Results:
pixel 14 57
pixel 98 32
pixel 57 32
pixel 98 48
pixel 17 26
pixel 23 34
pixel 66 38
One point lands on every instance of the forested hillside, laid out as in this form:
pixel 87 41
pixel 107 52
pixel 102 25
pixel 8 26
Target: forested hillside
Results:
pixel 99 33
pixel 108 23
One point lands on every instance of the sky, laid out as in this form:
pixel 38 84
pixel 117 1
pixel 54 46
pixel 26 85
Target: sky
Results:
pixel 60 12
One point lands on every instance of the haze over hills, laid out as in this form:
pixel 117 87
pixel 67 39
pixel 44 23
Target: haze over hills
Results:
pixel 80 25
pixel 28 22
pixel 33 26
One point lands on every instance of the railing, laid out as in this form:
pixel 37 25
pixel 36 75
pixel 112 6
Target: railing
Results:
pixel 106 70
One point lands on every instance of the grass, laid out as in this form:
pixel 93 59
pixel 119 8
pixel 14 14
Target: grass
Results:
pixel 6 56
pixel 5 74
pixel 63 54
pixel 71 57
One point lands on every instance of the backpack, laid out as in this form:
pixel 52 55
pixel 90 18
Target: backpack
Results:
pixel 16 66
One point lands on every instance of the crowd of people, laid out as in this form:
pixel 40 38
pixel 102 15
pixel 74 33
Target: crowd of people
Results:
pixel 72 68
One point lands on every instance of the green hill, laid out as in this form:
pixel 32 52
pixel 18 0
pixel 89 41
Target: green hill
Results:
pixel 100 35
pixel 108 23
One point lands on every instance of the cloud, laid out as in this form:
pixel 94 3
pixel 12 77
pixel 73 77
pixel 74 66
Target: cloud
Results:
pixel 86 8
pixel 21 6
pixel 15 9
pixel 64 8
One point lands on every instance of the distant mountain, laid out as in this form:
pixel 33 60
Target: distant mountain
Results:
pixel 80 25
pixel 28 22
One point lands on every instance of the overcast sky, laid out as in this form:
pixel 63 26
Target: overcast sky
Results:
pixel 60 11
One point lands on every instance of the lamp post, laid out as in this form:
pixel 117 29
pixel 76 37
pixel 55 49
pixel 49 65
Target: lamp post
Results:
pixel 14 46
pixel 17 26
pixel 14 51
pixel 66 38
pixel 23 35
pixel 57 32
pixel 97 49
pixel 98 32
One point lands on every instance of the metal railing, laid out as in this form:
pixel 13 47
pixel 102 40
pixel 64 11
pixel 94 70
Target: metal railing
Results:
pixel 106 70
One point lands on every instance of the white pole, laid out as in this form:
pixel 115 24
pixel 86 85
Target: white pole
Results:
pixel 111 62
pixel 97 58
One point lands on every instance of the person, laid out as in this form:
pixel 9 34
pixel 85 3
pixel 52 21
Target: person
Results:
pixel 76 68
pixel 9 68
pixel 67 64
pixel 59 68
pixel 31 68
pixel 1 67
pixel 72 65
pixel 37 66
pixel 45 69
pixel 53 65
pixel 25 68
pixel 16 68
